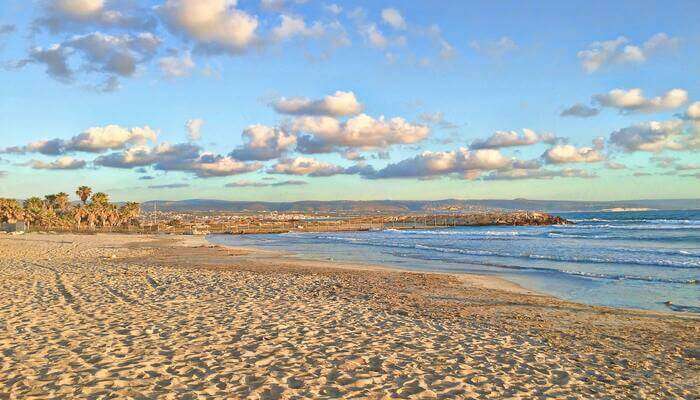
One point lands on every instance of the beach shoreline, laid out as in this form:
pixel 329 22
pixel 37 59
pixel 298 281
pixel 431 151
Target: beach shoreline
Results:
pixel 164 317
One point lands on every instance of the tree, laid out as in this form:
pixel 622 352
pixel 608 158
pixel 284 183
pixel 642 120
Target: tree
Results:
pixel 129 213
pixel 10 211
pixel 100 199
pixel 62 202
pixel 84 193
pixel 79 213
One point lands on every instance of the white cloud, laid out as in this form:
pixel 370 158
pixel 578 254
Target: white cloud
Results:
pixel 652 136
pixel 107 54
pixel 580 110
pixel 215 166
pixel 633 100
pixel 185 157
pixel 63 163
pixel 563 154
pixel 374 36
pixel 306 166
pixel 333 9
pixel 263 143
pixel 693 111
pixel 338 104
pixel 393 18
pixel 495 49
pixel 512 138
pixel 618 51
pixel 110 137
pixel 79 8
pixel 66 15
pixel 291 26
pixel 194 128
pixel 468 163
pixel 360 132
pixel 216 25
pixel 177 67
pixel 92 140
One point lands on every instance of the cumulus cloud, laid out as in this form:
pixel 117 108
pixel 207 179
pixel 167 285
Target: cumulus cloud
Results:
pixel 393 18
pixel 68 15
pixel 633 100
pixel 100 53
pixel 177 67
pixel 292 26
pixel 263 143
pixel 501 139
pixel 185 157
pixel 325 134
pixel 580 110
pixel 619 51
pixel 693 112
pixel 133 157
pixel 115 54
pixel 494 49
pixel 246 183
pixel 566 153
pixel 63 163
pixel 194 128
pixel 306 166
pixel 655 136
pixel 110 137
pixel 335 105
pixel 92 140
pixel 468 163
pixel 215 26
pixel 521 174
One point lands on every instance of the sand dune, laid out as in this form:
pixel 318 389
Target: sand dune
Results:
pixel 112 316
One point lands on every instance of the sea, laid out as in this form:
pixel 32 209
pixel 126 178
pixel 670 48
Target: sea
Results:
pixel 637 259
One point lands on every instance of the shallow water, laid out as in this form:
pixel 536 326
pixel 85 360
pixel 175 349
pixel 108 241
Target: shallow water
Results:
pixel 622 259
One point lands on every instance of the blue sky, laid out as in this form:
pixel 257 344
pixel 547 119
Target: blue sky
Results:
pixel 286 99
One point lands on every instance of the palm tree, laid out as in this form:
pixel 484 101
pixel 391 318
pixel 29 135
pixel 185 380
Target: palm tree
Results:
pixel 10 211
pixel 129 213
pixel 62 202
pixel 39 212
pixel 91 215
pixel 50 200
pixel 79 213
pixel 84 193
pixel 100 198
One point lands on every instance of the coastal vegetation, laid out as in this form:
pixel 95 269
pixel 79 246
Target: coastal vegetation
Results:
pixel 56 211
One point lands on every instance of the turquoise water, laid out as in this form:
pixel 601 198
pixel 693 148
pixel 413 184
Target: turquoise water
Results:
pixel 622 259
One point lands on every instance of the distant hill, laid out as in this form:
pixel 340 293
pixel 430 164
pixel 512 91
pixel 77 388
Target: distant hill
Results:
pixel 403 206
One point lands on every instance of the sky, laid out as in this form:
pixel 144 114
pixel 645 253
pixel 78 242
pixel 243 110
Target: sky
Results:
pixel 283 100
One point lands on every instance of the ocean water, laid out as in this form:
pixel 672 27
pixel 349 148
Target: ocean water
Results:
pixel 621 259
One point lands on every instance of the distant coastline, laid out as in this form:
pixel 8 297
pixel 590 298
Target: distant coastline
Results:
pixel 625 209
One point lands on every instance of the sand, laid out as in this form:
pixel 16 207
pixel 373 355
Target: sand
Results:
pixel 118 316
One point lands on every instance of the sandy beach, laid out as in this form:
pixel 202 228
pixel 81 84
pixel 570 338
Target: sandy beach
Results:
pixel 143 317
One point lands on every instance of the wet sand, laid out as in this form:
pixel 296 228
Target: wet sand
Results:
pixel 119 316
